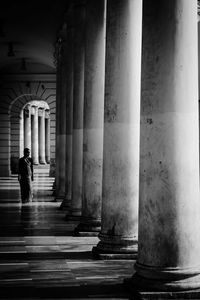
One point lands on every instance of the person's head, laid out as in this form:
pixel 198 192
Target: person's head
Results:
pixel 26 152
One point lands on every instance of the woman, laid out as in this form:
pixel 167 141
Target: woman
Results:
pixel 25 177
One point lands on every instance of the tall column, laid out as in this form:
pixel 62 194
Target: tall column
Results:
pixel 169 212
pixel 121 128
pixel 93 116
pixel 69 117
pixel 66 204
pixel 47 136
pixel 21 126
pixel 27 127
pixel 41 136
pixel 78 95
pixel 59 45
pixel 35 137
pixel 62 71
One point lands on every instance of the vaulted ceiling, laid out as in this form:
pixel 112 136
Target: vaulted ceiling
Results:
pixel 28 34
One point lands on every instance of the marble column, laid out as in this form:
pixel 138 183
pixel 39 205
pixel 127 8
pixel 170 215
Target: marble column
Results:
pixel 35 136
pixel 62 113
pixel 47 136
pixel 93 116
pixel 42 136
pixel 119 230
pixel 169 208
pixel 27 127
pixel 21 134
pixel 69 117
pixel 58 51
pixel 78 95
pixel 66 204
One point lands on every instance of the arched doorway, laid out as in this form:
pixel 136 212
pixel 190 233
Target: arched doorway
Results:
pixel 35 131
pixel 16 115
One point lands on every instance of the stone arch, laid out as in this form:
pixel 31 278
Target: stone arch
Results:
pixel 15 109
pixel 16 90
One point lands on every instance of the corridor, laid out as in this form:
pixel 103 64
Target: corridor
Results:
pixel 40 257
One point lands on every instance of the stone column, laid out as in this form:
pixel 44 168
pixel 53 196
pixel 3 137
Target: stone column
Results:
pixel 47 136
pixel 169 212
pixel 35 136
pixel 93 116
pixel 27 127
pixel 21 126
pixel 68 114
pixel 62 113
pixel 121 128
pixel 41 136
pixel 58 51
pixel 78 95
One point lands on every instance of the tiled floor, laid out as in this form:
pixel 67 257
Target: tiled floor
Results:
pixel 40 257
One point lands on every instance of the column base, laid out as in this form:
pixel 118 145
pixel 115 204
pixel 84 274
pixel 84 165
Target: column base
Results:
pixel 88 227
pixel 109 256
pixel 58 199
pixel 116 247
pixel 155 295
pixel 73 215
pixel 65 205
pixel 35 163
pixel 47 160
pixel 72 218
pixel 165 279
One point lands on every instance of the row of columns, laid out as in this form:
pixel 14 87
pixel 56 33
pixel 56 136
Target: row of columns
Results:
pixel 126 156
pixel 37 133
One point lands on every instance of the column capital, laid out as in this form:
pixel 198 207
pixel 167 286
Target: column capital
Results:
pixel 47 113
pixel 41 112
pixel 32 110
pixel 198 10
pixel 27 111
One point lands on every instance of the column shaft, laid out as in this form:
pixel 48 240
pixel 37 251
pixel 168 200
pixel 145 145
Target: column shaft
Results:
pixel 169 212
pixel 47 138
pixel 121 128
pixel 27 128
pixel 35 137
pixel 42 137
pixel 62 115
pixel 58 112
pixel 78 94
pixel 93 115
pixel 69 117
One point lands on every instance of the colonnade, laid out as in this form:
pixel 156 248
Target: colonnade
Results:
pixel 37 132
pixel 133 135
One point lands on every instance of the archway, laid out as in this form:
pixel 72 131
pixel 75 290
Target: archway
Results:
pixel 35 131
pixel 17 127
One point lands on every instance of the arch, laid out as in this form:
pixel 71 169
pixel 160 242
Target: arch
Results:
pixel 15 109
pixel 15 91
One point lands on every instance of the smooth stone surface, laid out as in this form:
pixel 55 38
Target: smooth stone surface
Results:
pixel 169 212
pixel 39 257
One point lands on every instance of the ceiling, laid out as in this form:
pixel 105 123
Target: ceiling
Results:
pixel 28 34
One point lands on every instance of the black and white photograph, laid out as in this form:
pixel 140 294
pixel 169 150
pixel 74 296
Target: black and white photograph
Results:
pixel 99 149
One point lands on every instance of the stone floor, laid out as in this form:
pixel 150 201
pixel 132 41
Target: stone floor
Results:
pixel 41 259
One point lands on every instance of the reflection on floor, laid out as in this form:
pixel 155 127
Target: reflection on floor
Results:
pixel 40 257
pixel 43 186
